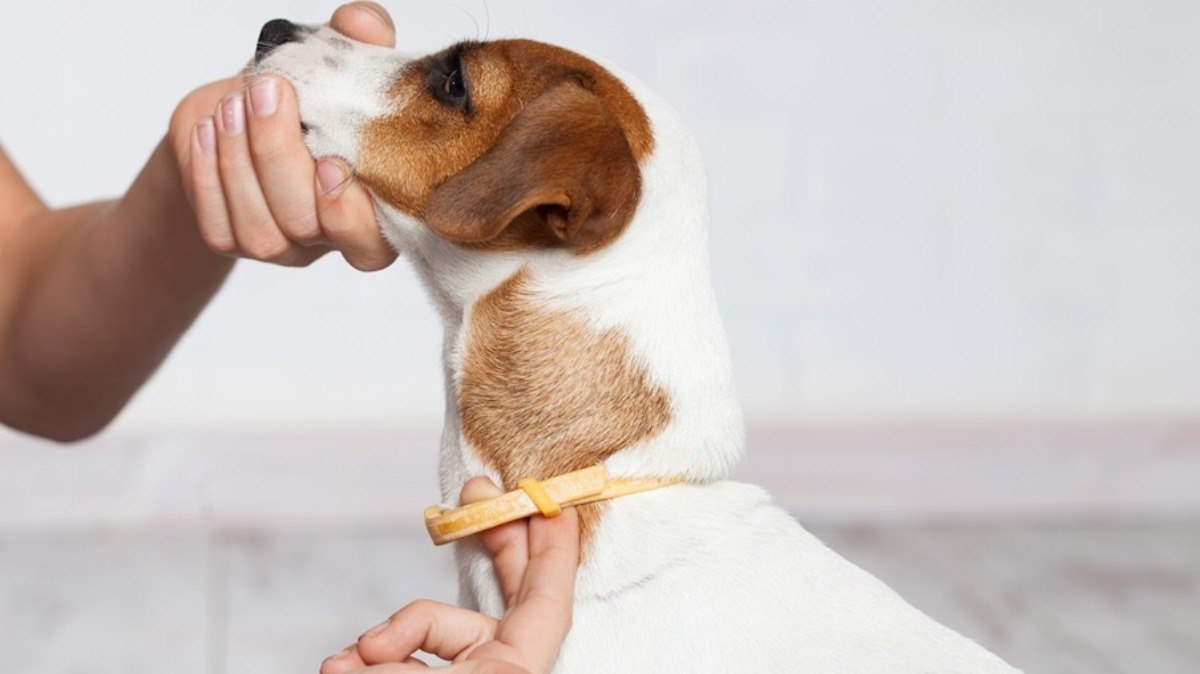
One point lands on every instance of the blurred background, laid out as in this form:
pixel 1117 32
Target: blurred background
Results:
pixel 956 246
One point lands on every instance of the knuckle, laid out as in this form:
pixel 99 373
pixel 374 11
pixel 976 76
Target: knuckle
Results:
pixel 410 613
pixel 182 118
pixel 307 237
pixel 334 220
pixel 267 248
pixel 418 606
pixel 338 230
pixel 303 229
pixel 276 254
pixel 179 133
pixel 220 244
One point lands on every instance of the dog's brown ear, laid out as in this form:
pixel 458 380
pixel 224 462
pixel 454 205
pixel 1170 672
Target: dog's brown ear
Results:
pixel 561 173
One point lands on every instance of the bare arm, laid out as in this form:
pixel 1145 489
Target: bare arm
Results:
pixel 92 298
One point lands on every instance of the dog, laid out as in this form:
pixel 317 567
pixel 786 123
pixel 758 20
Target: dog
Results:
pixel 555 210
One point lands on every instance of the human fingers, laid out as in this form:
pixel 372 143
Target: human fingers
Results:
pixel 348 660
pixel 441 629
pixel 508 544
pixel 194 107
pixel 204 189
pixel 389 668
pixel 344 661
pixel 347 217
pixel 541 617
pixel 253 226
pixel 366 22
pixel 281 161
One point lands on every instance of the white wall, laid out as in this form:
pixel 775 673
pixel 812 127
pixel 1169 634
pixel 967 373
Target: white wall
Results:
pixel 922 210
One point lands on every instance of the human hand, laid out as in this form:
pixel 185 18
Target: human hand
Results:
pixel 536 561
pixel 255 189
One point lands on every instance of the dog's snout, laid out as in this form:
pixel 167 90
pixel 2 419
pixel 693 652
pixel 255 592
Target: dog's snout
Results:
pixel 274 33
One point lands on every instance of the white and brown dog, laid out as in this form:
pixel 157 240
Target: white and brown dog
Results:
pixel 556 211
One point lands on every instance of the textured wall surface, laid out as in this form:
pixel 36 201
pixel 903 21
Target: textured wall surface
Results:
pixel 922 210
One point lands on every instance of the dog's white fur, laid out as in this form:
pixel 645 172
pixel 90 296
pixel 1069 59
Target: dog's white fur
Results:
pixel 708 577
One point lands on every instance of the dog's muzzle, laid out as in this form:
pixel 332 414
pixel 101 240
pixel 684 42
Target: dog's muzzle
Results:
pixel 274 33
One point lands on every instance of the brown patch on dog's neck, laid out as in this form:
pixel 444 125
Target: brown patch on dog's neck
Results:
pixel 541 393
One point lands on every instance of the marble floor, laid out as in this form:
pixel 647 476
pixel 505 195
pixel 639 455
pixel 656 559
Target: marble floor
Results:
pixel 1068 597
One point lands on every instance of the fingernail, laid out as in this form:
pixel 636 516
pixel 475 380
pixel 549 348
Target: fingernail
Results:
pixel 331 175
pixel 264 96
pixel 233 114
pixel 206 135
pixel 375 630
pixel 376 11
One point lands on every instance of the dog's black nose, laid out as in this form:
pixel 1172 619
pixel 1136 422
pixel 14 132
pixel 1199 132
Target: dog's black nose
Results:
pixel 274 33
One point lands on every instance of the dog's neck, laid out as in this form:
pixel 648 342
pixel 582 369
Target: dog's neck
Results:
pixel 556 365
pixel 555 361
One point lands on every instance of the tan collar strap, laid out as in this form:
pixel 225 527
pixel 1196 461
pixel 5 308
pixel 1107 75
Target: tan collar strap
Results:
pixel 547 497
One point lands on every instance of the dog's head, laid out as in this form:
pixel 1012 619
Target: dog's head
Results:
pixel 495 146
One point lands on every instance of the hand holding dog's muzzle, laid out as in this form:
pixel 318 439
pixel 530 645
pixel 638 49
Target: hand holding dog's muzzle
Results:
pixel 255 189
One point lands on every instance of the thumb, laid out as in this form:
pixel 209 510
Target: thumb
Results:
pixel 366 22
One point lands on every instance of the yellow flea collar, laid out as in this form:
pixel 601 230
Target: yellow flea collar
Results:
pixel 547 497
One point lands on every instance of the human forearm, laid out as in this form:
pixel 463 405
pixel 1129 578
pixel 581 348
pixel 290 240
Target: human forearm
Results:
pixel 92 298
pixel 97 296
